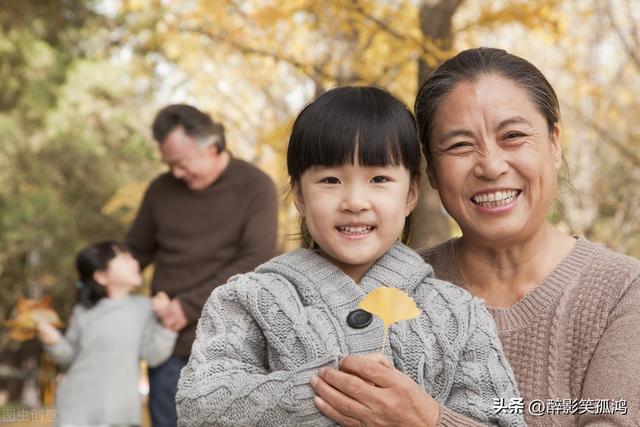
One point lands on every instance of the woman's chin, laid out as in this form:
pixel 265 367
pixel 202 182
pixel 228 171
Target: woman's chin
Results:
pixel 497 231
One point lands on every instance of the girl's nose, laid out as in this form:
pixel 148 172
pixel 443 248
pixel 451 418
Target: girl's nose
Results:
pixel 355 200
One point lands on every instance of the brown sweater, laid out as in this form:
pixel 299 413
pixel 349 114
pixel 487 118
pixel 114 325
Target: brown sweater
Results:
pixel 198 239
pixel 575 336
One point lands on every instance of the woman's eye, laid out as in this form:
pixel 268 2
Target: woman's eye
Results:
pixel 330 180
pixel 459 146
pixel 513 135
pixel 379 179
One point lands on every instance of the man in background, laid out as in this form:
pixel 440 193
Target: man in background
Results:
pixel 210 217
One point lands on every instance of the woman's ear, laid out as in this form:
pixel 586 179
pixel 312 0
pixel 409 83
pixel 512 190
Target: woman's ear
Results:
pixel 412 197
pixel 298 199
pixel 100 277
pixel 556 147
pixel 432 178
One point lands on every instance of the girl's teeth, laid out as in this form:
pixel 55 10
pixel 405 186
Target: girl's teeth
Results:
pixel 356 230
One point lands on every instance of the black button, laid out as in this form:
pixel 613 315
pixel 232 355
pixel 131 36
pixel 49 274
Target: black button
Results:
pixel 359 319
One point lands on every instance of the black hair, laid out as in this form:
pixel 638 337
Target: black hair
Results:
pixel 471 64
pixel 195 123
pixel 89 260
pixel 345 123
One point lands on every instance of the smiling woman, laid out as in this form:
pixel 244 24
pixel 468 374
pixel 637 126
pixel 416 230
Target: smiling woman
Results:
pixel 494 159
pixel 567 310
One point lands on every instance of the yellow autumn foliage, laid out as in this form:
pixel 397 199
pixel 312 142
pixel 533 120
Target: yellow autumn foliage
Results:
pixel 22 326
pixel 127 197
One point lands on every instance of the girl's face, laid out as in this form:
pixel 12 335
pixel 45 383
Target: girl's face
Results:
pixel 122 273
pixel 355 213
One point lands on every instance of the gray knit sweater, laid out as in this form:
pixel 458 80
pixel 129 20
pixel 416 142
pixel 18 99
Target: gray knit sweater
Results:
pixel 102 348
pixel 263 335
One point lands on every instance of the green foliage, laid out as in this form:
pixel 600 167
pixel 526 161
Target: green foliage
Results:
pixel 71 134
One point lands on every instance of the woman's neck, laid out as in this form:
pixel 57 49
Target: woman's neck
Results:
pixel 502 274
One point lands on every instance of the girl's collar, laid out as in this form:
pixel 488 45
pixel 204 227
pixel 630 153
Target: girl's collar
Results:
pixel 400 267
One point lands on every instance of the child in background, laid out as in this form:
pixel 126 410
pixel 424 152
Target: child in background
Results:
pixel 109 331
pixel 354 163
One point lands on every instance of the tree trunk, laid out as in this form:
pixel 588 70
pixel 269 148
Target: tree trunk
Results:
pixel 430 221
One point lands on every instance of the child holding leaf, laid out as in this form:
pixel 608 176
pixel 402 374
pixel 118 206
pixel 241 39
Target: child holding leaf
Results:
pixel 354 163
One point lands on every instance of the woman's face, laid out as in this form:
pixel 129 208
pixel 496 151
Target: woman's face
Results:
pixel 495 161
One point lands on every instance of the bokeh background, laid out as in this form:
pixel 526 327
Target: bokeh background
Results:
pixel 81 80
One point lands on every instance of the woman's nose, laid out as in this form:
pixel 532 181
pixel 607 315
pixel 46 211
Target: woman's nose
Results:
pixel 491 164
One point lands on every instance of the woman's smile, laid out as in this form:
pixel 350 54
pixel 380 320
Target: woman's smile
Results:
pixel 496 201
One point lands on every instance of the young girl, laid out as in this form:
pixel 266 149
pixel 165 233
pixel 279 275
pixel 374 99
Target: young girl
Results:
pixel 354 163
pixel 108 332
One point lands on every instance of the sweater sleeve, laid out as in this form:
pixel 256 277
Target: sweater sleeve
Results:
pixel 257 245
pixel 141 235
pixel 157 341
pixel 614 368
pixel 227 380
pixel 66 349
pixel 483 377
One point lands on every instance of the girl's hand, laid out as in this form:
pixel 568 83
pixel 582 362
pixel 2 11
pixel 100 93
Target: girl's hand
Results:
pixel 48 333
pixel 368 392
pixel 169 312
pixel 159 302
pixel 173 316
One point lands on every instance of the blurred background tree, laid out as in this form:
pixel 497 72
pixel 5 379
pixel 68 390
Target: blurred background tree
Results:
pixel 81 80
pixel 71 134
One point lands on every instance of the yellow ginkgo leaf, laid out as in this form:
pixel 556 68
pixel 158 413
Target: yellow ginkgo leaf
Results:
pixel 391 305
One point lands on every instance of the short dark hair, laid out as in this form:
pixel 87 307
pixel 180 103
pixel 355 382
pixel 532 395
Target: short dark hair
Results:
pixel 89 260
pixel 349 122
pixel 471 64
pixel 195 123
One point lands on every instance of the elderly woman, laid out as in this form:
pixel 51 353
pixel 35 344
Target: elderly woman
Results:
pixel 567 309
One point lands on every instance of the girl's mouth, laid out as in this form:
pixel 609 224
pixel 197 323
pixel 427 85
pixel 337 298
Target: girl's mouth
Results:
pixel 355 230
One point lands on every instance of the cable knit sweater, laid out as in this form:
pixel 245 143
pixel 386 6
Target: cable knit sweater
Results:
pixel 263 335
pixel 575 336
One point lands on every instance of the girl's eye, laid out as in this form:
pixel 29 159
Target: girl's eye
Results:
pixel 379 179
pixel 330 180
